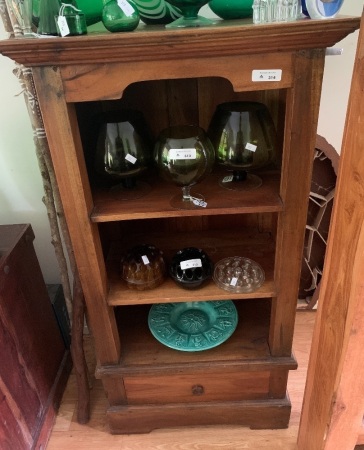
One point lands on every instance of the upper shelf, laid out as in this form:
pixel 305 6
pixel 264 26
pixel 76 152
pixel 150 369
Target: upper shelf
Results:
pixel 154 42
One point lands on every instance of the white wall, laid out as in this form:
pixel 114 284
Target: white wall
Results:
pixel 21 188
pixel 20 182
pixel 336 83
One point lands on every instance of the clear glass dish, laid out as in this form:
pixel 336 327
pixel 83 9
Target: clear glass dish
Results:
pixel 238 274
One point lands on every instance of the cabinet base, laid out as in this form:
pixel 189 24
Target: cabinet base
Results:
pixel 262 414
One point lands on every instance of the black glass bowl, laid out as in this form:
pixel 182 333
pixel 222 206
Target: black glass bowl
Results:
pixel 191 267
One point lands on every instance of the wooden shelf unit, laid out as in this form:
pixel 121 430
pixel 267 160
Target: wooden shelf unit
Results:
pixel 178 76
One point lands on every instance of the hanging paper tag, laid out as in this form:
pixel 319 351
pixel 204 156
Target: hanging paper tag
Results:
pixel 182 153
pixel 130 158
pixel 250 147
pixel 126 7
pixel 191 263
pixel 145 259
pixel 63 26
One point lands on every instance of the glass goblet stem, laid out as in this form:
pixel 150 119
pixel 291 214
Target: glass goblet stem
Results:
pixel 190 12
pixel 186 193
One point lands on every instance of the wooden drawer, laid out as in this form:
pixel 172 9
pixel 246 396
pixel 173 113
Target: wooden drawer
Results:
pixel 219 386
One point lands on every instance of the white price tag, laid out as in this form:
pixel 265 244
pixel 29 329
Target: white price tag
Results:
pixel 182 153
pixel 228 179
pixel 267 75
pixel 126 7
pixel 145 259
pixel 233 281
pixel 63 26
pixel 191 263
pixel 130 158
pixel 250 147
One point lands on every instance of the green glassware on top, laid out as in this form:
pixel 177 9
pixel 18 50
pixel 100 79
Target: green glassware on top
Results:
pixel 120 15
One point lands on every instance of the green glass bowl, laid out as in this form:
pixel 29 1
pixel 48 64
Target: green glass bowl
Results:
pixel 232 9
pixel 193 326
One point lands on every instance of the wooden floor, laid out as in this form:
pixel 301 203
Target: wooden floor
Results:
pixel 67 434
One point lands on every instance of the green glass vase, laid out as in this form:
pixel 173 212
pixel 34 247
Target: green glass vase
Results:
pixel 120 15
pixel 48 10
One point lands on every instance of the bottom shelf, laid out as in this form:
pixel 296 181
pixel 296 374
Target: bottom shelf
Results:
pixel 247 346
pixel 259 414
pixel 238 382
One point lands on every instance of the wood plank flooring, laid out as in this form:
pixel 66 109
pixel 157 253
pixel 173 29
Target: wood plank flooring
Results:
pixel 67 434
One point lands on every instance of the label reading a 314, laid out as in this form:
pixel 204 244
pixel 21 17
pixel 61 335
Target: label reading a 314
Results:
pixel 267 75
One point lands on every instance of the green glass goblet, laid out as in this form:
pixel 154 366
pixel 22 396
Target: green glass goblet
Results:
pixel 184 156
pixel 244 137
pixel 123 153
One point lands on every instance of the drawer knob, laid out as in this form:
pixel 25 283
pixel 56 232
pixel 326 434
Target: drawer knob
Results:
pixel 197 389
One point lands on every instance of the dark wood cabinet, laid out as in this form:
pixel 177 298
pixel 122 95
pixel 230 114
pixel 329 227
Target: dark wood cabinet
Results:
pixel 34 361
pixel 174 77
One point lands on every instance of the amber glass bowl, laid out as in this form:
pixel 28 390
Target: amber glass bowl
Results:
pixel 143 267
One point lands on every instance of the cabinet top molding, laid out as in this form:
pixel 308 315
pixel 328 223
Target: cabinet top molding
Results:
pixel 154 42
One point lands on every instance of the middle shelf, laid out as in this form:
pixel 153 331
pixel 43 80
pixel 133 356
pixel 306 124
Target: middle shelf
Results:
pixel 218 244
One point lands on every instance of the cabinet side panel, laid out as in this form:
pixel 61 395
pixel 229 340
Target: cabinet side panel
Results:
pixel 299 143
pixel 62 131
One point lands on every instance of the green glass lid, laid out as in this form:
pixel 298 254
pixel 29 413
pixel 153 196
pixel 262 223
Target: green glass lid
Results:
pixel 193 326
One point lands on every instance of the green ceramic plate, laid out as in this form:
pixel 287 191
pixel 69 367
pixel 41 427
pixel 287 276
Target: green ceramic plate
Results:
pixel 193 326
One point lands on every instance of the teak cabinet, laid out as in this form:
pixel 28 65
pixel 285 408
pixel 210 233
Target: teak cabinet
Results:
pixel 35 364
pixel 176 77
